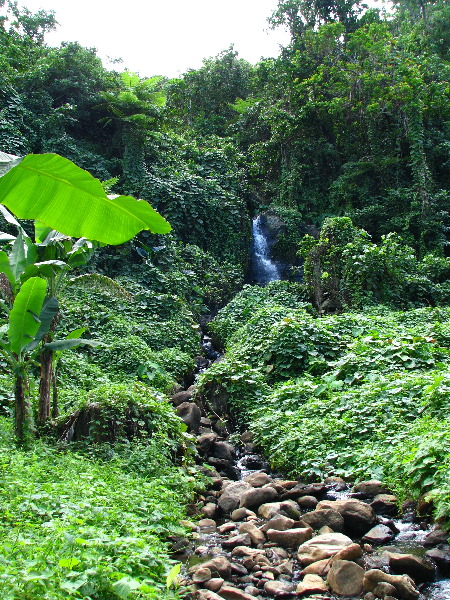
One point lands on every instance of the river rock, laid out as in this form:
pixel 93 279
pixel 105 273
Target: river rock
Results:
pixel 345 578
pixel 279 589
pixel 258 479
pixel 419 569
pixel 278 522
pixel 352 552
pixel 380 534
pixel 441 557
pixel 385 504
pixel 436 537
pixel 231 497
pixel 190 414
pixel 371 488
pixel 358 516
pixel 321 567
pixel 303 489
pixel 224 451
pixel 325 517
pixel 237 540
pixel 209 510
pixel 207 595
pixel 322 546
pixel 229 592
pixel 205 441
pixel 202 575
pixel 219 565
pixel 214 584
pixel 242 513
pixel 256 535
pixel 180 397
pixel 290 538
pixel 307 502
pixel 311 584
pixel 254 497
pixel 336 483
pixel 384 590
pixel 403 584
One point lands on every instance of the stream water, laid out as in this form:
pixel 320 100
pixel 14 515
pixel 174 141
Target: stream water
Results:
pixel 263 267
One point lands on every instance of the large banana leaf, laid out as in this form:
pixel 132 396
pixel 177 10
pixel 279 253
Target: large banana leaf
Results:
pixel 53 190
pixel 23 324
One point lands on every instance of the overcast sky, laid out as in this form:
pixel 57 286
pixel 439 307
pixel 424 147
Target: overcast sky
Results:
pixel 165 37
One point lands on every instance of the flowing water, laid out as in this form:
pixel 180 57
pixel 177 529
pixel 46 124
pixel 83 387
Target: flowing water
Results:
pixel 264 269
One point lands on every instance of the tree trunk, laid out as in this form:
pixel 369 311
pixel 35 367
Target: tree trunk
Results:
pixel 23 416
pixel 45 386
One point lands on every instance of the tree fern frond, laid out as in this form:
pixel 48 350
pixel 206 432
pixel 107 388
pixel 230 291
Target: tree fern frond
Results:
pixel 102 283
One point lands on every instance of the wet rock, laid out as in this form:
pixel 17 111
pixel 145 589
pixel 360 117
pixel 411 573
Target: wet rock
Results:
pixel 252 553
pixel 346 578
pixel 231 497
pixel 205 442
pixel 278 522
pixel 352 552
pixel 206 595
pixel 237 540
pixel 238 570
pixel 380 534
pixel 325 517
pixel 358 516
pixel 290 538
pixel 311 584
pixel 214 584
pixel 322 546
pixel 229 592
pixel 384 589
pixel 218 565
pixel 385 504
pixel 321 567
pixel 337 483
pixel 226 527
pixel 436 537
pixel 202 575
pixel 307 502
pixel 190 414
pixel 441 557
pixel 402 583
pixel 287 484
pixel 247 437
pixel 419 569
pixel 258 479
pixel 371 488
pixel 256 535
pixel 224 451
pixel 209 510
pixel 278 589
pixel 254 497
pixel 180 397
pixel 242 513
pixel 207 524
pixel 302 489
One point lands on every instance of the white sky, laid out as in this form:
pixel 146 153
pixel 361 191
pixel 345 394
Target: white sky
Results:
pixel 164 37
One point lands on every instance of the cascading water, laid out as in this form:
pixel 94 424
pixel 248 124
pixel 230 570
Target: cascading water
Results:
pixel 264 269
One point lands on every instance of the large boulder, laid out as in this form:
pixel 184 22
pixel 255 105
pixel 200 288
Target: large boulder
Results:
pixel 325 517
pixel 419 569
pixel 232 494
pixel 345 578
pixel 380 534
pixel 311 584
pixel 256 535
pixel 258 479
pixel 406 590
pixel 358 516
pixel 219 566
pixel 190 413
pixel 254 497
pixel 290 538
pixel 371 488
pixel 322 546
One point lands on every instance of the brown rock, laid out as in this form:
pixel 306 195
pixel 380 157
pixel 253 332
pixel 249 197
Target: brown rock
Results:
pixel 190 414
pixel 214 584
pixel 321 567
pixel 278 589
pixel 237 540
pixel 258 479
pixel 384 589
pixel 372 488
pixel 436 537
pixel 419 569
pixel 254 497
pixel 402 583
pixel 346 578
pixel 325 517
pixel 207 595
pixel 205 441
pixel 279 522
pixel 256 535
pixel 352 552
pixel 202 575
pixel 231 497
pixel 180 397
pixel 242 513
pixel 209 510
pixel 218 565
pixel 358 516
pixel 385 504
pixel 311 584
pixel 307 502
pixel 290 538
pixel 380 534
pixel 322 546
pixel 229 592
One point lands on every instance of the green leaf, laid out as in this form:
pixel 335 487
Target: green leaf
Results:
pixel 68 563
pixel 6 268
pixel 48 312
pixel 53 190
pixel 22 326
pixel 72 343
pixel 125 586
pixel 48 268
pixel 173 573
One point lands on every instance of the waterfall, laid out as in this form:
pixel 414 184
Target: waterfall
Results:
pixel 264 269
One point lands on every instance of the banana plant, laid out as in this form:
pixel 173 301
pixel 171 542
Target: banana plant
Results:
pixel 66 202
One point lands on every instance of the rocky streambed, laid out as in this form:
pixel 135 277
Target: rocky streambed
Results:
pixel 262 536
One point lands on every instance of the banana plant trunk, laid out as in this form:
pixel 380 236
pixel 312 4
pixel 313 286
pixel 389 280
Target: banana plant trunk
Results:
pixel 45 386
pixel 23 416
